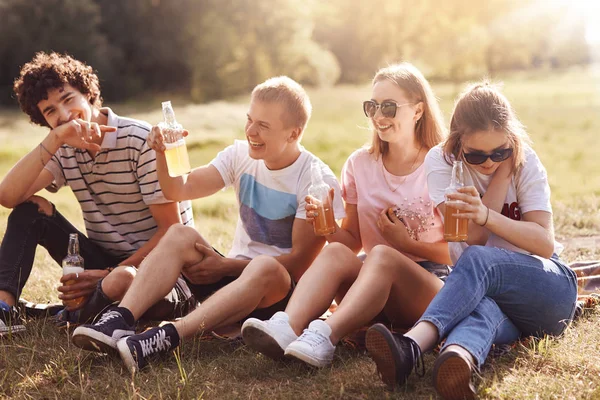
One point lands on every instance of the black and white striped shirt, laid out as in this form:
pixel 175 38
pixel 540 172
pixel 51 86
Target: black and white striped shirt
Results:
pixel 115 189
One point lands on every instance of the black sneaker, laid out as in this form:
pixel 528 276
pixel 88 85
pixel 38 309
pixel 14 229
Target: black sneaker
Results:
pixel 103 335
pixel 11 322
pixel 136 350
pixel 452 376
pixel 395 355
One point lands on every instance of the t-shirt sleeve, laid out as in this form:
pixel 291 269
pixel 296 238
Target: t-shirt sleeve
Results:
pixel 145 167
pixel 226 162
pixel 439 174
pixel 55 168
pixel 533 191
pixel 348 182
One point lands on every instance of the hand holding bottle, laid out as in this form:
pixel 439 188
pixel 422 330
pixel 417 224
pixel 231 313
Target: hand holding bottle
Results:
pixel 78 286
pixel 168 137
pixel 468 202
pixel 455 228
pixel 156 137
pixel 312 206
pixel 322 199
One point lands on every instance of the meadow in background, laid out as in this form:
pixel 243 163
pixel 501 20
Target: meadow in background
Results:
pixel 561 114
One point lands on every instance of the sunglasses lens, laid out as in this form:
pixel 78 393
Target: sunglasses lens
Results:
pixel 501 155
pixel 388 109
pixel 369 108
pixel 475 159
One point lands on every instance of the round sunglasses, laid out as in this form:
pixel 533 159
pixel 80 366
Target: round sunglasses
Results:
pixel 388 108
pixel 480 158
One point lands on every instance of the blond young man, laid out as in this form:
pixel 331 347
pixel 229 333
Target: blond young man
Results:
pixel 273 245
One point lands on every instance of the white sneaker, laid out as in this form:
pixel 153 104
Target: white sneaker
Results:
pixel 314 346
pixel 269 337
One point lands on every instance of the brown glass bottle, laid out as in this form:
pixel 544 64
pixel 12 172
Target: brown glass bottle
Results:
pixel 324 221
pixel 455 229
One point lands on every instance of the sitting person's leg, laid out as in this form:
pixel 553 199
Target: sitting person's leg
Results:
pixel 330 276
pixel 156 277
pixel 111 290
pixel 537 295
pixel 45 227
pixel 467 346
pixel 388 281
pixel 263 283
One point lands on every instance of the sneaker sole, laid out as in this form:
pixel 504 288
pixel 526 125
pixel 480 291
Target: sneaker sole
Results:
pixel 12 330
pixel 92 340
pixel 126 356
pixel 379 343
pixel 452 377
pixel 299 355
pixel 258 340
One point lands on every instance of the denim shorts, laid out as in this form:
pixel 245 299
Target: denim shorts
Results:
pixel 202 292
pixel 440 270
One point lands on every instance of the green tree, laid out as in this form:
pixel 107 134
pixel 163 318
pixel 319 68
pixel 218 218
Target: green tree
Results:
pixel 29 26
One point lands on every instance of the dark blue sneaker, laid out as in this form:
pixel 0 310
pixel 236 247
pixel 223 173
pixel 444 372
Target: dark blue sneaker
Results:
pixel 103 335
pixel 136 350
pixel 10 320
pixel 395 355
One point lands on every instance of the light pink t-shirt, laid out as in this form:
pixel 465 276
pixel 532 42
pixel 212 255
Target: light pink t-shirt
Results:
pixel 364 184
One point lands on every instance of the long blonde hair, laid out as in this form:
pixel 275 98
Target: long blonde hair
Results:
pixel 482 107
pixel 429 130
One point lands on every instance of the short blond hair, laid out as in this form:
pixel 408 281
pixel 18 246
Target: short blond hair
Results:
pixel 290 94
pixel 429 130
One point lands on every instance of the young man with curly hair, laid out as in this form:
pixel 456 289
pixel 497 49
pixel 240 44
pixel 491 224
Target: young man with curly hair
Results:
pixel 106 161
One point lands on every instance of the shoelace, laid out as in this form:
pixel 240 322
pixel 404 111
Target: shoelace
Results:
pixel 158 342
pixel 312 337
pixel 417 356
pixel 107 317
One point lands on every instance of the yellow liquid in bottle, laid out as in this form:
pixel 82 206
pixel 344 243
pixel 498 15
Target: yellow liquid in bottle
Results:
pixel 178 161
pixel 455 229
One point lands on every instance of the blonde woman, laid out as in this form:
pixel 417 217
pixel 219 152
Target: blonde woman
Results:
pixel 387 207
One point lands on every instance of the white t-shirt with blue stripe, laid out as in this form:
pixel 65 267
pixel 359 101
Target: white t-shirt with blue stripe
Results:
pixel 269 200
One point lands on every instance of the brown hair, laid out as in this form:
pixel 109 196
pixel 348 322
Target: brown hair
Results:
pixel 429 130
pixel 52 71
pixel 290 94
pixel 482 107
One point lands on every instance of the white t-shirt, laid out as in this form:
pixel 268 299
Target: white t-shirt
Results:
pixel 528 191
pixel 269 200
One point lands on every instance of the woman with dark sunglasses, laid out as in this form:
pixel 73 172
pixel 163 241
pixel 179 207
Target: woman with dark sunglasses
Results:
pixel 508 281
pixel 387 207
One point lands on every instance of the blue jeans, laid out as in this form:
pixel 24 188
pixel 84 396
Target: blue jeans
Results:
pixel 493 296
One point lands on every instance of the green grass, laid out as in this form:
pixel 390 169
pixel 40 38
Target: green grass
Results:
pixel 560 112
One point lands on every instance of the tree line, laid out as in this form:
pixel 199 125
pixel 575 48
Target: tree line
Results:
pixel 210 49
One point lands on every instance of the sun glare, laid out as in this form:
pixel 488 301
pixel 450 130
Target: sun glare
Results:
pixel 590 9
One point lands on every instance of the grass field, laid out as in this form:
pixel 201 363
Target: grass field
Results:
pixel 561 113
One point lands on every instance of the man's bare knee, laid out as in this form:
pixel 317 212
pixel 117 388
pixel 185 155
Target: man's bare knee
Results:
pixel 44 206
pixel 116 283
pixel 266 270
pixel 181 235
pixel 267 275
